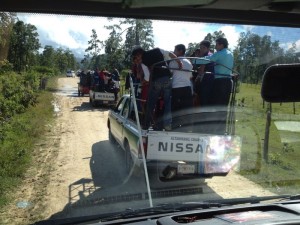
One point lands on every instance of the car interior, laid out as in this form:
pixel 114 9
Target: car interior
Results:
pixel 280 83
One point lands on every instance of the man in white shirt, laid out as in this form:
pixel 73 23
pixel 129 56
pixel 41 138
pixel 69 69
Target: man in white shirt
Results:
pixel 182 97
pixel 181 81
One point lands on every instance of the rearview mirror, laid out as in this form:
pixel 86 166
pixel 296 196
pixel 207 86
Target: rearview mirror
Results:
pixel 281 83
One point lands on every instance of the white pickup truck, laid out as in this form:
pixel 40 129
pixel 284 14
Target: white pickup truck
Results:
pixel 172 158
pixel 102 98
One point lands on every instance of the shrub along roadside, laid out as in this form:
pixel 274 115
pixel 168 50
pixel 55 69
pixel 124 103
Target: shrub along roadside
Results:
pixel 19 136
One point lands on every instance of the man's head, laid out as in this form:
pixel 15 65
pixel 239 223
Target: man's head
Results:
pixel 179 50
pixel 137 54
pixel 221 43
pixel 196 53
pixel 204 47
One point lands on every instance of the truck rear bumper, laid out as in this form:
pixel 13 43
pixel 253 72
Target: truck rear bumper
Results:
pixel 166 175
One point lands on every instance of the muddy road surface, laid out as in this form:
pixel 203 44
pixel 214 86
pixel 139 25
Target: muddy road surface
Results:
pixel 78 172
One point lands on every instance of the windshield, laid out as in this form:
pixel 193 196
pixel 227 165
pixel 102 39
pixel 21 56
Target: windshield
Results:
pixel 156 112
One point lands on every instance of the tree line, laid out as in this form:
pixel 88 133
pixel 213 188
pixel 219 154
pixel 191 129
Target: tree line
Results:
pixel 22 55
pixel 253 54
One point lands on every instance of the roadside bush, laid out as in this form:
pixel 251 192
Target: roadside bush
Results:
pixel 32 80
pixel 5 67
pixel 18 137
pixel 45 71
pixel 16 94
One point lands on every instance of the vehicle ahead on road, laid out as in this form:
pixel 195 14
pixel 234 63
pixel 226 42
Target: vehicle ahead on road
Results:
pixel 70 73
pixel 263 36
pixel 193 150
pixel 84 83
pixel 101 93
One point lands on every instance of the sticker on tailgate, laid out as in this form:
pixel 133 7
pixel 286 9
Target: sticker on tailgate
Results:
pixel 215 153
pixel 104 96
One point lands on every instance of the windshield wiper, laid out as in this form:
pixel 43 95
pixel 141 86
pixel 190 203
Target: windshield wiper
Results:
pixel 186 206
pixel 255 199
pixel 167 208
pixel 163 208
pixel 131 213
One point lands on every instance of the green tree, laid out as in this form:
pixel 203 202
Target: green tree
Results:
pixel 61 60
pixel 47 58
pixel 191 48
pixel 291 55
pixel 7 20
pixel 254 54
pixel 140 32
pixel 212 37
pixel 209 37
pixel 113 48
pixel 71 61
pixel 24 45
pixel 93 51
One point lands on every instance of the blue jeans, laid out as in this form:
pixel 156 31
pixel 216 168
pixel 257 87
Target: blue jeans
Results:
pixel 160 87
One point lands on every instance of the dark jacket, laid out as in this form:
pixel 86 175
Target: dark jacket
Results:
pixel 152 57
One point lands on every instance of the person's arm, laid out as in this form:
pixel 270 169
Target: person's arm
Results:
pixel 169 55
pixel 173 56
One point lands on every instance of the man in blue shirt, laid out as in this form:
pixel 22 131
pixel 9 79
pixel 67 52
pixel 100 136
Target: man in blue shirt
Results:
pixel 223 60
pixel 222 84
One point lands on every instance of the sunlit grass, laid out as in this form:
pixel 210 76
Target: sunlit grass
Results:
pixel 282 169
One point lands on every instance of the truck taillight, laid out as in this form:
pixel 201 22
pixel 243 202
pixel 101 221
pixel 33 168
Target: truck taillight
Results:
pixel 145 148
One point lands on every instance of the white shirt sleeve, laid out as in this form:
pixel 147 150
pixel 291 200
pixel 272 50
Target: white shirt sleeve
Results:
pixel 165 54
pixel 146 72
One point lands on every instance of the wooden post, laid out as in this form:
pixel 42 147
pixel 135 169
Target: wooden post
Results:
pixel 294 106
pixel 267 134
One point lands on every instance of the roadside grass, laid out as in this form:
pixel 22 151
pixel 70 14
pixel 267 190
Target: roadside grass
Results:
pixel 20 136
pixel 282 170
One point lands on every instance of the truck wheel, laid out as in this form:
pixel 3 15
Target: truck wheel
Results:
pixel 131 169
pixel 92 102
pixel 111 138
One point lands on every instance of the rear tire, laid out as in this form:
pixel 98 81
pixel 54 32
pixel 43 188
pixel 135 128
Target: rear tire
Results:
pixel 111 138
pixel 92 102
pixel 131 168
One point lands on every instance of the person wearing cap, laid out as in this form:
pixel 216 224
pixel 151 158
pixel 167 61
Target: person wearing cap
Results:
pixel 160 82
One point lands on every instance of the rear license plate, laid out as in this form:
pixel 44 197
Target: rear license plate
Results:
pixel 105 102
pixel 185 169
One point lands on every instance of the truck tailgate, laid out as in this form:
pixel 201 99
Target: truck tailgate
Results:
pixel 216 153
pixel 104 96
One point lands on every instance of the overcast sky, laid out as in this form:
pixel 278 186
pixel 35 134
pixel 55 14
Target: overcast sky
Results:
pixel 74 32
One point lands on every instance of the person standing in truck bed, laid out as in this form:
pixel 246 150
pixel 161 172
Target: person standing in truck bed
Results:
pixel 182 98
pixel 160 82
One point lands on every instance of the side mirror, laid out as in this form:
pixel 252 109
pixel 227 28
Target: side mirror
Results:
pixel 281 83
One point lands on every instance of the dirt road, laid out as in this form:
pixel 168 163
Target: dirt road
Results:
pixel 77 166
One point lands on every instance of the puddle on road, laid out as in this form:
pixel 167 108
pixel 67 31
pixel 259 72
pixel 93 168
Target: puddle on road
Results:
pixel 67 90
